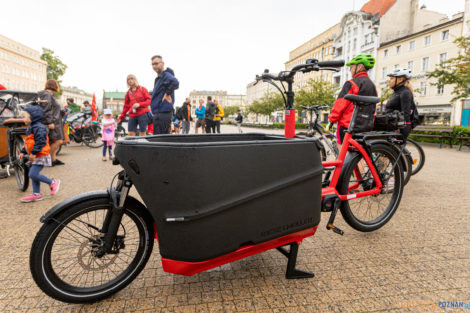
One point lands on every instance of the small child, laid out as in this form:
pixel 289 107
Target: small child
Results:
pixel 36 145
pixel 108 133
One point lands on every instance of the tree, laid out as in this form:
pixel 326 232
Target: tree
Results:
pixel 231 110
pixel 268 104
pixel 316 92
pixel 455 71
pixel 386 94
pixel 55 67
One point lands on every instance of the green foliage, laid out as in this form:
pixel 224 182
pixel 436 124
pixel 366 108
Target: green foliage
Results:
pixel 455 71
pixel 316 92
pixel 231 110
pixel 55 67
pixel 458 131
pixel 387 93
pixel 268 104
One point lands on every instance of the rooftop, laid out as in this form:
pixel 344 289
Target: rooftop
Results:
pixel 377 7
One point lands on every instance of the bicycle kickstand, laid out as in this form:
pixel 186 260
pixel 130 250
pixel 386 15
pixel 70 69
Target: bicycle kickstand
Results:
pixel 330 225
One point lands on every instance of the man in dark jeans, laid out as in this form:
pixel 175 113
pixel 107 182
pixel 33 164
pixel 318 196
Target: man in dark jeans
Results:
pixel 210 113
pixel 163 96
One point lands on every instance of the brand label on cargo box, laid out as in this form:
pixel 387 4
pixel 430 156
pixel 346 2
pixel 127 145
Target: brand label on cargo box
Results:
pixel 286 227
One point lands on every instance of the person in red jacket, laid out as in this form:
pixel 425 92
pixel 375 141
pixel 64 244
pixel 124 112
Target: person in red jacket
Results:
pixel 136 102
pixel 360 84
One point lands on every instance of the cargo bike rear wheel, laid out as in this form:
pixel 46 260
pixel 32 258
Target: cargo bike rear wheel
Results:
pixel 65 259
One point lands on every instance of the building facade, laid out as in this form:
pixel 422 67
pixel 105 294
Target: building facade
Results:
pixel 256 91
pixel 114 100
pixel 221 96
pixel 78 95
pixel 321 48
pixel 421 52
pixel 21 67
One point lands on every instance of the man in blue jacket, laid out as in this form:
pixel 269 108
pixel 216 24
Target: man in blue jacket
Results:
pixel 163 96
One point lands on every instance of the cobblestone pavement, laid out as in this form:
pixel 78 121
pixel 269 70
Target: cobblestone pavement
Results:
pixel 420 257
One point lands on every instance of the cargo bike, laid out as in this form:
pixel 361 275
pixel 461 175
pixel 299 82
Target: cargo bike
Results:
pixel 12 134
pixel 270 196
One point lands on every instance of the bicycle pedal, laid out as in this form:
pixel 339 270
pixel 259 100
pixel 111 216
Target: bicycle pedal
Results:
pixel 335 229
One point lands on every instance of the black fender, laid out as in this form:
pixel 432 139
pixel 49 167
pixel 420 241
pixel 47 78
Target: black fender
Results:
pixel 98 194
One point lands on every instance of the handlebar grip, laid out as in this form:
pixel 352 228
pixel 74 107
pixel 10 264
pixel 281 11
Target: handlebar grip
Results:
pixel 335 63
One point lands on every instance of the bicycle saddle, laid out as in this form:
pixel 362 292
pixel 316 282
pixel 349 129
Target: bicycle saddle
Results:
pixel 363 99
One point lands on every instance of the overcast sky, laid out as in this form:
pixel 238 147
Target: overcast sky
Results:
pixel 210 44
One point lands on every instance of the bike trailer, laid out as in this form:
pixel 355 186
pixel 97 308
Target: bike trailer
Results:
pixel 212 195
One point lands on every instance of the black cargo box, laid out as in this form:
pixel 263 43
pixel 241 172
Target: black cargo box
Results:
pixel 212 194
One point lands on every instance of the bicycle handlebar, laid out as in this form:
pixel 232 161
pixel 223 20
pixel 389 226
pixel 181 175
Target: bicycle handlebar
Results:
pixel 315 107
pixel 334 63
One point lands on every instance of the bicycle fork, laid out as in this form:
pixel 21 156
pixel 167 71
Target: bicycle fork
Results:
pixel 113 217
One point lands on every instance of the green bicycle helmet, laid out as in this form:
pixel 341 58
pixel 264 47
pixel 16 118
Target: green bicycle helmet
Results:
pixel 366 59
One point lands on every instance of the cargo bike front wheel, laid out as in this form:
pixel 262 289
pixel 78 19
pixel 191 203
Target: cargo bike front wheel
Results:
pixel 65 259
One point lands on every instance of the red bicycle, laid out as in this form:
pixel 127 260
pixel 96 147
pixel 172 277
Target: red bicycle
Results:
pixel 270 196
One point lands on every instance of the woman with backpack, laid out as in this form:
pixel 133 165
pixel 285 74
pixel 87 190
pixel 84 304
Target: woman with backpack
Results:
pixel 402 99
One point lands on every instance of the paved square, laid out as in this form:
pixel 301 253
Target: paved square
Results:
pixel 421 257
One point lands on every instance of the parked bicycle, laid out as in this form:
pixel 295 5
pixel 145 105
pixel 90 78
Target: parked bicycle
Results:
pixel 12 134
pixel 330 149
pixel 93 245
pixel 81 129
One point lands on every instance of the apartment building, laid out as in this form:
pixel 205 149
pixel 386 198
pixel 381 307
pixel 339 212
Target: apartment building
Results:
pixel 21 67
pixel 421 52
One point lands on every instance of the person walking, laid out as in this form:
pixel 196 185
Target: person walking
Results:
pixel 163 96
pixel 36 146
pixel 136 102
pixel 219 114
pixel 210 113
pixel 107 136
pixel 239 120
pixel 52 118
pixel 186 115
pixel 201 117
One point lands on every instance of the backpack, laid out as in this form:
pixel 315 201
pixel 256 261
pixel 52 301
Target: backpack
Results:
pixel 220 112
pixel 414 115
pixel 179 113
pixel 364 121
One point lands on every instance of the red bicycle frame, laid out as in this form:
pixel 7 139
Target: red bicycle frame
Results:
pixel 350 144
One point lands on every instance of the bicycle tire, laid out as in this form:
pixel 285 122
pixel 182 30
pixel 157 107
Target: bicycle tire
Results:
pixel 52 275
pixel 21 170
pixel 330 147
pixel 349 214
pixel 407 165
pixel 420 159
pixel 92 137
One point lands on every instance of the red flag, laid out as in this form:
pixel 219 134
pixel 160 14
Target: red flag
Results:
pixel 94 113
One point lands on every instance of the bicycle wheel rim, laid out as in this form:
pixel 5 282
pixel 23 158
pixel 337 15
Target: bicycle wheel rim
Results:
pixel 417 155
pixel 66 286
pixel 372 212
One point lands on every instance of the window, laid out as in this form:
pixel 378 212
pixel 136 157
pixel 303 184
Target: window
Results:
pixel 427 40
pixel 445 35
pixel 442 57
pixel 410 66
pixel 354 44
pixel 423 88
pixel 384 72
pixel 425 64
pixel 385 53
pixel 440 90
pixel 412 45
pixel 398 49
